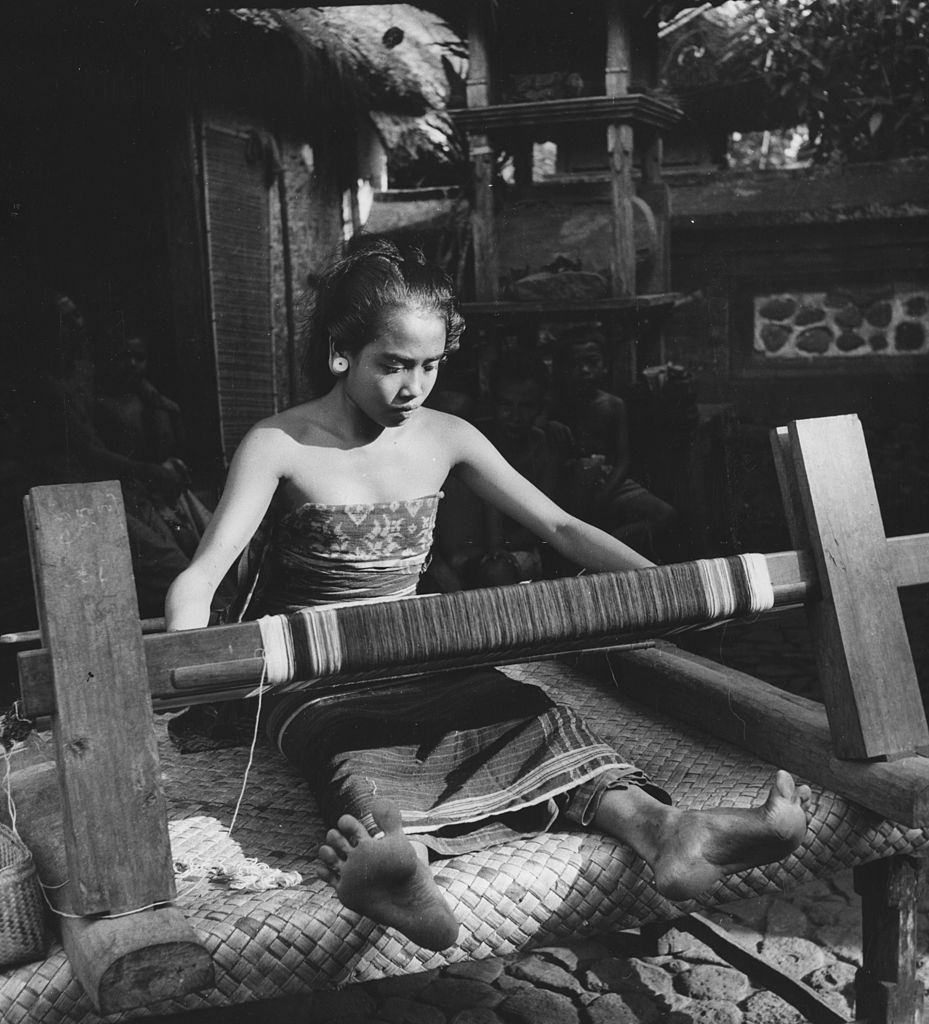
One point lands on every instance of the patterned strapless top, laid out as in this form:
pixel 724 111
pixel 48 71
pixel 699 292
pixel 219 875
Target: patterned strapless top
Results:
pixel 320 554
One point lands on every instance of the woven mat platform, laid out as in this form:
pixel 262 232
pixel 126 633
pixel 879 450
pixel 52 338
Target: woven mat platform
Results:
pixel 510 898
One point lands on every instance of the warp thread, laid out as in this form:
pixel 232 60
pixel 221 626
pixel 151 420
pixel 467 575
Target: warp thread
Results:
pixel 456 629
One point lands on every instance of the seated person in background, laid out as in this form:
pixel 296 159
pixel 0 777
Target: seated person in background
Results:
pixel 538 449
pixel 137 423
pixel 131 410
pixel 135 420
pixel 599 489
pixel 67 445
pixel 496 550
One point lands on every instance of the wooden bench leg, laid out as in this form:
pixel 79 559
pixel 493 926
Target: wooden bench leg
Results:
pixel 887 990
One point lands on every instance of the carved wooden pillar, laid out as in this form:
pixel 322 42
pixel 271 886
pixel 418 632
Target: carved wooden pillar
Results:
pixel 619 148
pixel 482 158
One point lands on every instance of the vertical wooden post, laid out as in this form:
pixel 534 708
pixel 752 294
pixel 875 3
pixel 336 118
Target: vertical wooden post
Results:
pixel 121 962
pixel 653 190
pixel 863 654
pixel 656 193
pixel 887 990
pixel 522 158
pixel 114 815
pixel 619 150
pixel 481 150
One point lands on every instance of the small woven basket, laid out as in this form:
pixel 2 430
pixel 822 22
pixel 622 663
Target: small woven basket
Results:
pixel 23 935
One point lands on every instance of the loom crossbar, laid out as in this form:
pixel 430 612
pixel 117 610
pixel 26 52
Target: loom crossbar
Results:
pixel 224 662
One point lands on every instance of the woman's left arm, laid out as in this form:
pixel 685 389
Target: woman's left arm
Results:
pixel 479 465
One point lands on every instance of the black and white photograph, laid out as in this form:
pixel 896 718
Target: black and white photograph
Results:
pixel 464 498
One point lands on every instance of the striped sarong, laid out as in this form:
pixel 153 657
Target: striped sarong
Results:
pixel 473 758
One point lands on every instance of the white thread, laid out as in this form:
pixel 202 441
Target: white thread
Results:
pixel 97 917
pixel 10 804
pixel 251 752
pixel 759 579
pixel 277 668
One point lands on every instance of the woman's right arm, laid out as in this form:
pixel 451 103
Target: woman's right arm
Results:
pixel 256 470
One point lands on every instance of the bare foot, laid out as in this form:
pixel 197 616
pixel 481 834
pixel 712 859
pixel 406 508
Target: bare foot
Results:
pixel 385 880
pixel 697 848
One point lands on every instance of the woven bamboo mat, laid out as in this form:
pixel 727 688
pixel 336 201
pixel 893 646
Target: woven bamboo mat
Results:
pixel 509 898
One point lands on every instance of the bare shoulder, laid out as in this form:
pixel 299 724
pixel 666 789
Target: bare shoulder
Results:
pixel 607 400
pixel 448 429
pixel 269 443
pixel 300 424
pixel 608 406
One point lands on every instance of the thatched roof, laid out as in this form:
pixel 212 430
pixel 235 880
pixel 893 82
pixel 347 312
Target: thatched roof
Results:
pixel 389 61
pixel 406 76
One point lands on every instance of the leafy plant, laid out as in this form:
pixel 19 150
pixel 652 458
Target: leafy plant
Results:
pixel 856 72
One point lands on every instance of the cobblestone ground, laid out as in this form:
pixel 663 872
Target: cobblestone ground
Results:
pixel 812 933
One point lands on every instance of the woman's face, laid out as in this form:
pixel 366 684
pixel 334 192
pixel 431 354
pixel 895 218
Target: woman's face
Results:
pixel 391 377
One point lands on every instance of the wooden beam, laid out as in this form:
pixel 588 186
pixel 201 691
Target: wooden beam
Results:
pixel 121 962
pixel 619 150
pixel 859 637
pixel 908 559
pixel 888 989
pixel 113 805
pixel 571 310
pixel 34 636
pixel 789 731
pixel 654 191
pixel 481 152
pixel 220 662
pixel 815 1009
pixel 629 108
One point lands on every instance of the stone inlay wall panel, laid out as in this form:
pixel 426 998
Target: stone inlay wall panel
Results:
pixel 886 320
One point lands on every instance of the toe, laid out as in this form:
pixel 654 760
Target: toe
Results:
pixel 804 795
pixel 339 843
pixel 329 857
pixel 352 830
pixel 326 875
pixel 784 785
pixel 387 815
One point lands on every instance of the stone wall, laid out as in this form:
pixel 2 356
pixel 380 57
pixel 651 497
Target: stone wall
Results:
pixel 887 319
pixel 784 321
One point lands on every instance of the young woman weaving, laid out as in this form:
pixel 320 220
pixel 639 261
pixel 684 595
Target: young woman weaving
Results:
pixel 353 479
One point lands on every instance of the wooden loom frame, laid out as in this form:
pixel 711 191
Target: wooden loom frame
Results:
pixel 868 743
